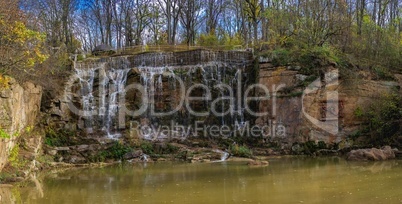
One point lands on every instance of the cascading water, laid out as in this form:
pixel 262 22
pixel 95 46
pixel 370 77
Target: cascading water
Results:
pixel 238 107
pixel 163 78
pixel 148 75
pixel 86 79
pixel 224 155
pixel 216 76
pixel 145 158
pixel 117 82
pixel 100 101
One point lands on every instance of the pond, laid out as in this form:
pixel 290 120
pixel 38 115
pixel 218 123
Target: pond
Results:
pixel 285 180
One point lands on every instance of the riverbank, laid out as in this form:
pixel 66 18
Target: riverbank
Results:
pixel 285 180
pixel 114 153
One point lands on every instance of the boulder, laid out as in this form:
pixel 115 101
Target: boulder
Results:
pixel 94 147
pixel 258 163
pixel 77 159
pixel 62 148
pixel 372 154
pixel 82 148
pixel 100 49
pixel 51 152
pixel 133 155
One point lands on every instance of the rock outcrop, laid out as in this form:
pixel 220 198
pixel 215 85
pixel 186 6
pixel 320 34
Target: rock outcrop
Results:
pixel 373 154
pixel 19 108
pixel 315 108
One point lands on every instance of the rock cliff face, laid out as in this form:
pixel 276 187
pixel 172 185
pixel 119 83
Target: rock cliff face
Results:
pixel 19 108
pixel 316 108
pixel 300 108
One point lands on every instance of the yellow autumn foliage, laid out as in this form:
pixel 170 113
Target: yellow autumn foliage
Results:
pixel 4 82
pixel 20 47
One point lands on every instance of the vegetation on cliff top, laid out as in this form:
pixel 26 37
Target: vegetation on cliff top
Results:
pixel 359 34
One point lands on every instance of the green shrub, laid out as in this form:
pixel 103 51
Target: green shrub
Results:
pixel 4 134
pixel 328 53
pixel 281 57
pixel 383 120
pixel 208 40
pixel 230 43
pixel 171 149
pixel 58 138
pixel 183 155
pixel 317 56
pixel 322 145
pixel 147 147
pixel 14 157
pixel 116 151
pixel 310 147
pixel 355 135
pixel 240 151
pixel 310 59
pixel 358 112
pixel 383 73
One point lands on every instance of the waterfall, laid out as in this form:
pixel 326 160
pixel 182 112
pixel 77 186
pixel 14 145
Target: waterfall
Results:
pixel 100 101
pixel 238 107
pixel 145 158
pixel 86 79
pixel 211 74
pixel 148 75
pixel 117 82
pixel 162 76
pixel 224 155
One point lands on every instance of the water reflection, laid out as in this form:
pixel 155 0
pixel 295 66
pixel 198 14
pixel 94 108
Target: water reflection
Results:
pixel 376 167
pixel 12 194
pixel 285 180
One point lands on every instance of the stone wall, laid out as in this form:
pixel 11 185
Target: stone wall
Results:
pixel 19 108
pixel 194 57
pixel 189 66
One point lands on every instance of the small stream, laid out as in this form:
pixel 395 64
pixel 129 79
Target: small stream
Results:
pixel 285 180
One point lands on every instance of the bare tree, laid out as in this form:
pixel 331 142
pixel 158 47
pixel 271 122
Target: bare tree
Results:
pixel 214 9
pixel 190 17
pixel 252 9
pixel 172 10
pixel 56 19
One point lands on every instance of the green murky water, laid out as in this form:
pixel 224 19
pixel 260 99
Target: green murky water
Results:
pixel 285 180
